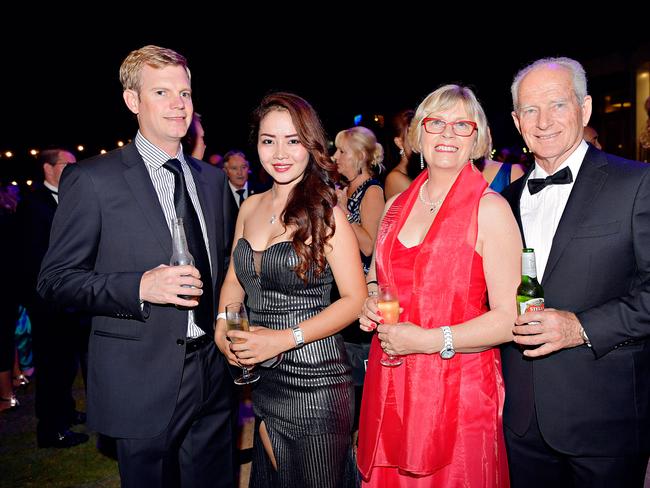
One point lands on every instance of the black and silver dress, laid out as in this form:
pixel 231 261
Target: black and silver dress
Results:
pixel 306 402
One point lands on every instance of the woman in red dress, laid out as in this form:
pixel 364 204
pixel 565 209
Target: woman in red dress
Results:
pixel 447 243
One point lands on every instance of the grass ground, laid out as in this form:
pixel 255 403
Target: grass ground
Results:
pixel 23 465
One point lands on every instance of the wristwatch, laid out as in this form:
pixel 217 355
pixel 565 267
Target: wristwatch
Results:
pixel 583 334
pixel 221 315
pixel 298 336
pixel 447 351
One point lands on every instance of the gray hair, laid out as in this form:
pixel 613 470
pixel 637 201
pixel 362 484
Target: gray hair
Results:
pixel 578 76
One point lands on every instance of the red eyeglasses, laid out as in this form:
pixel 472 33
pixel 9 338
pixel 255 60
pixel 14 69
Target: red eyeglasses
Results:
pixel 462 128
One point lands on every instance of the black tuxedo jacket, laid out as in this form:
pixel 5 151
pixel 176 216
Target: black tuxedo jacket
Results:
pixel 35 214
pixel 593 402
pixel 108 230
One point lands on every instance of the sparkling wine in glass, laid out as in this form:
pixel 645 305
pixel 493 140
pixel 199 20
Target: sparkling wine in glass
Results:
pixel 237 319
pixel 388 303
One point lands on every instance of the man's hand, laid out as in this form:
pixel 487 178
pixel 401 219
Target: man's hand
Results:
pixel 554 330
pixel 164 283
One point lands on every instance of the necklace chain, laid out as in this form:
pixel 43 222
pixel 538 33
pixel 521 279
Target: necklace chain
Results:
pixel 274 217
pixel 434 205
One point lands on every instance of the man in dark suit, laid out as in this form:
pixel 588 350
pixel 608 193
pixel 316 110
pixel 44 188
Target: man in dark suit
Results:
pixel 237 170
pixel 59 336
pixel 577 407
pixel 157 383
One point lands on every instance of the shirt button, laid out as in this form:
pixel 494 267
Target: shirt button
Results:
pixel 180 342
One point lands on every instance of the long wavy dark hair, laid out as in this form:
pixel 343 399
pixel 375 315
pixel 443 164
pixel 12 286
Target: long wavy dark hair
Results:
pixel 310 205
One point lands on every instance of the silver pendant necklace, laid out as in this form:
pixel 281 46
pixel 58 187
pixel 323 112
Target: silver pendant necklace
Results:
pixel 433 205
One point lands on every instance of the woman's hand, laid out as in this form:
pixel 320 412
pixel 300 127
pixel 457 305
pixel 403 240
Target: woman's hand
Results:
pixel 224 344
pixel 258 345
pixel 404 338
pixel 370 316
pixel 342 199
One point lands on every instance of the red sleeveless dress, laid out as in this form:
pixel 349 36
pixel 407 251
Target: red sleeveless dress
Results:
pixel 432 422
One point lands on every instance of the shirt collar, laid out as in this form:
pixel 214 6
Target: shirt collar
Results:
pixel 50 187
pixel 574 162
pixel 152 155
pixel 234 188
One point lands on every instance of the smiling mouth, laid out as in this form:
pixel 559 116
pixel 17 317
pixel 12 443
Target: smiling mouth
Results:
pixel 547 136
pixel 443 148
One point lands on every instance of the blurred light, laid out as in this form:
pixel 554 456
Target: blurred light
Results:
pixel 357 119
pixel 120 144
pixel 9 154
pixel 15 183
pixel 645 74
pixel 33 152
pixel 620 146
pixel 29 182
pixel 80 148
pixel 103 151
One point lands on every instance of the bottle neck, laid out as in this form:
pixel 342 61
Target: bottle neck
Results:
pixel 180 251
pixel 528 268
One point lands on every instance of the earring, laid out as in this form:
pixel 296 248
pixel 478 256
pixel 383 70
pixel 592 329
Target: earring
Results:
pixel 401 152
pixel 421 161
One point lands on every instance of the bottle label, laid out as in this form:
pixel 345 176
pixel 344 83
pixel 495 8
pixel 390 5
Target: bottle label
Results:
pixel 528 267
pixel 532 305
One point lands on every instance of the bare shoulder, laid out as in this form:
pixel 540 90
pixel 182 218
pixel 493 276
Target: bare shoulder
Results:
pixel 251 204
pixel 493 206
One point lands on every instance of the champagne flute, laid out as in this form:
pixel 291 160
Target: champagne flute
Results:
pixel 237 319
pixel 388 303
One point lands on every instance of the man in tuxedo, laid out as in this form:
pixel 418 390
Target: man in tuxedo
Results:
pixel 236 168
pixel 59 335
pixel 157 383
pixel 577 407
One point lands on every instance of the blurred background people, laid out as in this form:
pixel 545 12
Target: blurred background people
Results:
pixel 407 165
pixel 59 335
pixel 237 169
pixel 501 173
pixel 590 135
pixel 194 140
pixel 10 296
pixel 358 157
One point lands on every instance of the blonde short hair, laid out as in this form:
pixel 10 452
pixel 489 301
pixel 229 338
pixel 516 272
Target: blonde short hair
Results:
pixel 154 56
pixel 444 98
pixel 363 142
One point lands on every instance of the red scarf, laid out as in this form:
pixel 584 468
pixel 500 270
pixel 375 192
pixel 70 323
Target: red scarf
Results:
pixel 440 287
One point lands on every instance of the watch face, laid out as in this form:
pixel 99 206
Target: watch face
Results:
pixel 447 353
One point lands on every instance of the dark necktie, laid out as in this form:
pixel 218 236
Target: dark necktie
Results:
pixel 241 192
pixel 562 177
pixel 203 315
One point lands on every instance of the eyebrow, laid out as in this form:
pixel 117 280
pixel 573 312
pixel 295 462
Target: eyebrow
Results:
pixel 272 135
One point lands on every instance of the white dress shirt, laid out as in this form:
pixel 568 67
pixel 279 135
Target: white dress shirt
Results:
pixel 541 212
pixel 53 189
pixel 234 189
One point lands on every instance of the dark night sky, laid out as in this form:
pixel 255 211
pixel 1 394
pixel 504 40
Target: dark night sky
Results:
pixel 65 88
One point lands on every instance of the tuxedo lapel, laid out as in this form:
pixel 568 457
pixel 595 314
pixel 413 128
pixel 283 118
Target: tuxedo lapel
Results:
pixel 209 208
pixel 512 193
pixel 588 184
pixel 139 181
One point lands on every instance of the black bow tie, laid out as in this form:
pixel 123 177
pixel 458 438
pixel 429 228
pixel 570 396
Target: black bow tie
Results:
pixel 562 177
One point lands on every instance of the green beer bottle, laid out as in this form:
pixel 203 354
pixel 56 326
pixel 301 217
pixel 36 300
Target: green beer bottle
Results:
pixel 530 294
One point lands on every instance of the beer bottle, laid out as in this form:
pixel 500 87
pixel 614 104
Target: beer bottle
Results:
pixel 530 294
pixel 180 252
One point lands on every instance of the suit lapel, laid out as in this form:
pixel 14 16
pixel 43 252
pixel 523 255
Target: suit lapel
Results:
pixel 209 208
pixel 589 181
pixel 139 181
pixel 512 193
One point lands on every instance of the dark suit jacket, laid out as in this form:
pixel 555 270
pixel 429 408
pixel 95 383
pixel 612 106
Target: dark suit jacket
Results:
pixel 593 402
pixel 108 230
pixel 34 214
